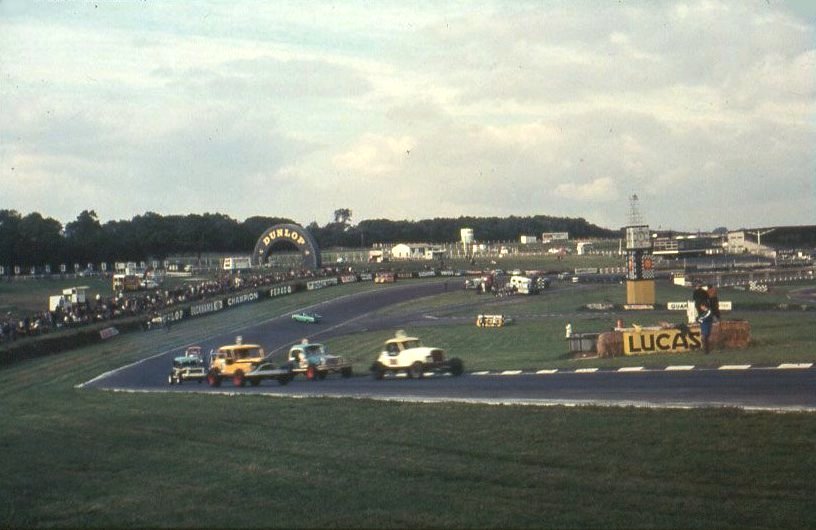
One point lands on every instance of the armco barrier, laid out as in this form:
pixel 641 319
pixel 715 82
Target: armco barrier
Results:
pixel 68 339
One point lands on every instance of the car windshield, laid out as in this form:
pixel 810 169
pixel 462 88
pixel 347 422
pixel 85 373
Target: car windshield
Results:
pixel 411 344
pixel 241 353
pixel 314 349
pixel 187 363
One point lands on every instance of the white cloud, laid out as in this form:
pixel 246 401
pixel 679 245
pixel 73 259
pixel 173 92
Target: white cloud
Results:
pixel 599 190
pixel 410 111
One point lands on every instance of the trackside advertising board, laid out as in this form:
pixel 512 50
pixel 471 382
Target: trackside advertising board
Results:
pixel 219 304
pixel 682 306
pixel 647 341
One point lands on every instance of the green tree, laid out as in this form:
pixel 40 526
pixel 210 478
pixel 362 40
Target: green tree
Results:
pixel 84 237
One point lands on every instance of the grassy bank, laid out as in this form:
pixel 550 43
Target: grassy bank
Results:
pixel 96 459
pixel 91 458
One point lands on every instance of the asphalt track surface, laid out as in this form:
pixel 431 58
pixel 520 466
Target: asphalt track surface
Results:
pixel 761 389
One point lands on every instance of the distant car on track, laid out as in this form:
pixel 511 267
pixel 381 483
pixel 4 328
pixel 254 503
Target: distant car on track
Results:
pixel 307 317
pixel 407 354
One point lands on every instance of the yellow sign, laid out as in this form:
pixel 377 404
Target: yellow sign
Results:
pixel 490 321
pixel 284 233
pixel 648 341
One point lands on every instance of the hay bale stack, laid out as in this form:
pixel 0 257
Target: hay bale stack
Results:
pixel 729 334
pixel 610 344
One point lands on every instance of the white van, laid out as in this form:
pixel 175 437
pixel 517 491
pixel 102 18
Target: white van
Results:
pixel 523 284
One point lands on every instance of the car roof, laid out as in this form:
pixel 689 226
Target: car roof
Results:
pixel 400 339
pixel 306 345
pixel 240 347
pixel 186 359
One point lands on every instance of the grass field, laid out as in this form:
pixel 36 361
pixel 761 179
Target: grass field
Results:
pixel 89 458
pixel 536 340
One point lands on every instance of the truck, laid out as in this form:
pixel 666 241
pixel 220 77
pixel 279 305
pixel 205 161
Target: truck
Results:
pixel 523 284
pixel 314 361
pixel 240 363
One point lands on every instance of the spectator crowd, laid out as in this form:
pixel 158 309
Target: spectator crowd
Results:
pixel 144 303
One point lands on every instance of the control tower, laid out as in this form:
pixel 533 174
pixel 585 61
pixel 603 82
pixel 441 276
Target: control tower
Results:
pixel 640 282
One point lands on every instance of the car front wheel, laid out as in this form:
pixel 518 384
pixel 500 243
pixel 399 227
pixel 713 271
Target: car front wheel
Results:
pixel 456 366
pixel 378 371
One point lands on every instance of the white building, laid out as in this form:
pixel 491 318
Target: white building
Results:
pixel 416 251
pixel 548 237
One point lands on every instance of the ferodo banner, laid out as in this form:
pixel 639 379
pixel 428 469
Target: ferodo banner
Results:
pixel 281 290
pixel 648 341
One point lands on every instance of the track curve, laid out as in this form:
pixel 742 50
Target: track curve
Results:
pixel 751 389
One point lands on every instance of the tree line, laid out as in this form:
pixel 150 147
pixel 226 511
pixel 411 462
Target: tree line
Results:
pixel 34 240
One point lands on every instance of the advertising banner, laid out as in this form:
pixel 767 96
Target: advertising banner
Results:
pixel 348 278
pixel 366 277
pixel 320 284
pixel 207 307
pixel 648 341
pixel 243 298
pixel 174 316
pixel 281 290
pixel 682 306
pixel 108 333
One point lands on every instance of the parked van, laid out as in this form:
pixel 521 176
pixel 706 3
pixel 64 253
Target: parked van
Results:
pixel 523 284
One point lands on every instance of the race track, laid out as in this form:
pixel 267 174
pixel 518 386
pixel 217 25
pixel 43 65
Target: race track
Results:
pixel 773 389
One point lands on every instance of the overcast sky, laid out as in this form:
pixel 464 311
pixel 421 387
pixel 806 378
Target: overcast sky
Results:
pixel 411 110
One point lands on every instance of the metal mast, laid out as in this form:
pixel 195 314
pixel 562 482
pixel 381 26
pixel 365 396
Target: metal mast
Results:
pixel 635 218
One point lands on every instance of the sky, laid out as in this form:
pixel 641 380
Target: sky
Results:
pixel 411 110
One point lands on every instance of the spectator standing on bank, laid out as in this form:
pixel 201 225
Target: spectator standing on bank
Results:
pixel 713 301
pixel 700 297
pixel 706 320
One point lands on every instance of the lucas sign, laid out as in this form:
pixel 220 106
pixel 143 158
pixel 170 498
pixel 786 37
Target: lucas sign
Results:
pixel 648 341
